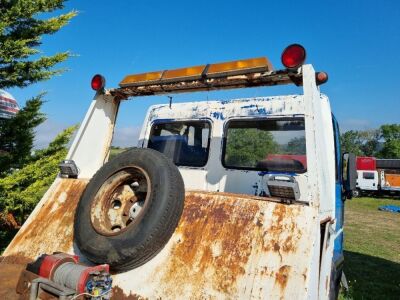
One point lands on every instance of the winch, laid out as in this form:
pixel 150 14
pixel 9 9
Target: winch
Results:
pixel 63 276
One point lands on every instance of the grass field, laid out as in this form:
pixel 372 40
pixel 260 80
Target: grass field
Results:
pixel 115 151
pixel 372 250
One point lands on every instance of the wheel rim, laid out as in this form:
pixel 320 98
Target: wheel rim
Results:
pixel 121 201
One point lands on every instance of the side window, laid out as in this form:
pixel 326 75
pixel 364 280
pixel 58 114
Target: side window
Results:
pixel 276 145
pixel 186 143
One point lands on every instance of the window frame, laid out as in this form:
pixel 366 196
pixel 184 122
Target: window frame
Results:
pixel 225 135
pixel 171 121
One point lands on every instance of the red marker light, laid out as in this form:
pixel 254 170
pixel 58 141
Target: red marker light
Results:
pixel 321 77
pixel 98 82
pixel 293 56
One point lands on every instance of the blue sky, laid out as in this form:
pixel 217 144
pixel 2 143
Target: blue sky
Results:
pixel 356 42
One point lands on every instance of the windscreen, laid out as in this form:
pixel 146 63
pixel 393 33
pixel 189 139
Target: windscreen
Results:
pixel 266 145
pixel 186 143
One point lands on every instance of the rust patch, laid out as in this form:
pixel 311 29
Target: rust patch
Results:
pixel 216 242
pixel 52 227
pixel 282 276
pixel 220 240
pixel 17 259
pixel 283 234
pixel 9 274
pixel 118 294
pixel 24 282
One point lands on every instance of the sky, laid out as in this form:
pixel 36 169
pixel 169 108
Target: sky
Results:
pixel 355 42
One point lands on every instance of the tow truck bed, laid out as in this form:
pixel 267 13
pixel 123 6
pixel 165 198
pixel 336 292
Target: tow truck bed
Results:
pixel 220 248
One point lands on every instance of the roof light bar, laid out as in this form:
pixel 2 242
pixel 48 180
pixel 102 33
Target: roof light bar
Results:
pixel 141 78
pixel 191 73
pixel 232 68
pixel 239 67
pixel 246 73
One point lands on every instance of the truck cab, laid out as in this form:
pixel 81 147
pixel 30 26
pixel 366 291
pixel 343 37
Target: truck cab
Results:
pixel 265 185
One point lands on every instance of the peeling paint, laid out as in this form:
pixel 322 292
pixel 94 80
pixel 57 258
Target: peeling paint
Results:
pixel 217 115
pixel 229 246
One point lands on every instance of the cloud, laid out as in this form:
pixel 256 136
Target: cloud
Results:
pixel 126 136
pixel 46 132
pixel 355 124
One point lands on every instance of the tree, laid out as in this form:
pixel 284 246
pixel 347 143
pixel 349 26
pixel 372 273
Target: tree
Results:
pixel 296 145
pixel 21 29
pixel 391 135
pixel 22 190
pixel 17 136
pixel 370 140
pixel 351 142
pixel 26 177
pixel 361 143
pixel 247 146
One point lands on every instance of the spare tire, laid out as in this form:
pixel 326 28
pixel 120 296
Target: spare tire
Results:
pixel 129 209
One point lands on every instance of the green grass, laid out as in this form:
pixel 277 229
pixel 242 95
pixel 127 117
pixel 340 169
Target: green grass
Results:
pixel 372 250
pixel 115 151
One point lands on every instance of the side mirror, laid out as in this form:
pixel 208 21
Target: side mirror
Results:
pixel 349 174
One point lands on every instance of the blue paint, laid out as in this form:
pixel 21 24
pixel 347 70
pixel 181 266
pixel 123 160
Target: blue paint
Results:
pixel 235 100
pixel 339 203
pixel 263 173
pixel 226 101
pixel 263 111
pixel 158 121
pixel 249 106
pixel 217 115
pixel 259 111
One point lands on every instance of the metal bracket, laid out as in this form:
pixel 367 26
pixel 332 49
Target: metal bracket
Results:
pixel 56 289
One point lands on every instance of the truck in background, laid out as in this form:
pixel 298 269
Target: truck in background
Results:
pixel 389 176
pixel 377 176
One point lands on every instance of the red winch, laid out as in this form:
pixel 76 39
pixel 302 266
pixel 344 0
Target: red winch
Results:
pixel 62 275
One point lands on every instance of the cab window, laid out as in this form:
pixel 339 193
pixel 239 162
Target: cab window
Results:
pixel 266 145
pixel 186 143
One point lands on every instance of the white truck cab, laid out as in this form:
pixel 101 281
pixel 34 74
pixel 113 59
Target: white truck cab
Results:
pixel 264 191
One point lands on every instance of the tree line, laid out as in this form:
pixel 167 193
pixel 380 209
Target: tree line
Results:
pixel 383 142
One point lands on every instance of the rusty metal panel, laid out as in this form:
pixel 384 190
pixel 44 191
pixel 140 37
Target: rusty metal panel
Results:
pixel 230 246
pixel 50 228
pixel 225 246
